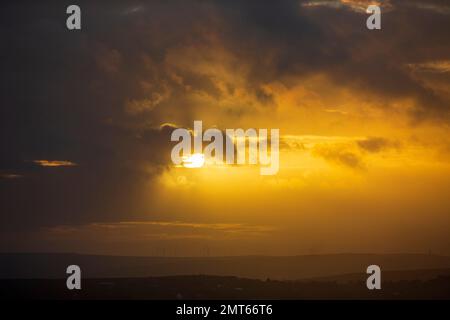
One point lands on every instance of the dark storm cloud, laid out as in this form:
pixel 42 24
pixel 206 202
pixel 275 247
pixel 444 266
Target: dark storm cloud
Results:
pixel 97 97
pixel 61 95
pixel 334 40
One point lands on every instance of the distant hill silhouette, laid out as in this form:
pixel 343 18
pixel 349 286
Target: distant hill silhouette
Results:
pixel 214 287
pixel 387 276
pixel 48 265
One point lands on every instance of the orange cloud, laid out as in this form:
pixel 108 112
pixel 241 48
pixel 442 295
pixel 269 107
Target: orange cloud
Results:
pixel 10 176
pixel 55 163
pixel 163 230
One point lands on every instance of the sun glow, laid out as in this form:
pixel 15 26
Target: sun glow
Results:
pixel 197 160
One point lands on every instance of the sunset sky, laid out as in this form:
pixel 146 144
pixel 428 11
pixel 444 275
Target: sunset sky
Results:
pixel 86 118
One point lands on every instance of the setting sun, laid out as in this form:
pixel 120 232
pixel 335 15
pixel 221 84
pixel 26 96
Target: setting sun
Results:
pixel 197 160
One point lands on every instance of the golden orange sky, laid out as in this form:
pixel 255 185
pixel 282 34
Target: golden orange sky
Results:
pixel 363 119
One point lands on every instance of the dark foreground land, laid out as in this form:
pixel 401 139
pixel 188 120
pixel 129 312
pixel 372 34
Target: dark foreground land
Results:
pixel 338 276
pixel 218 287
